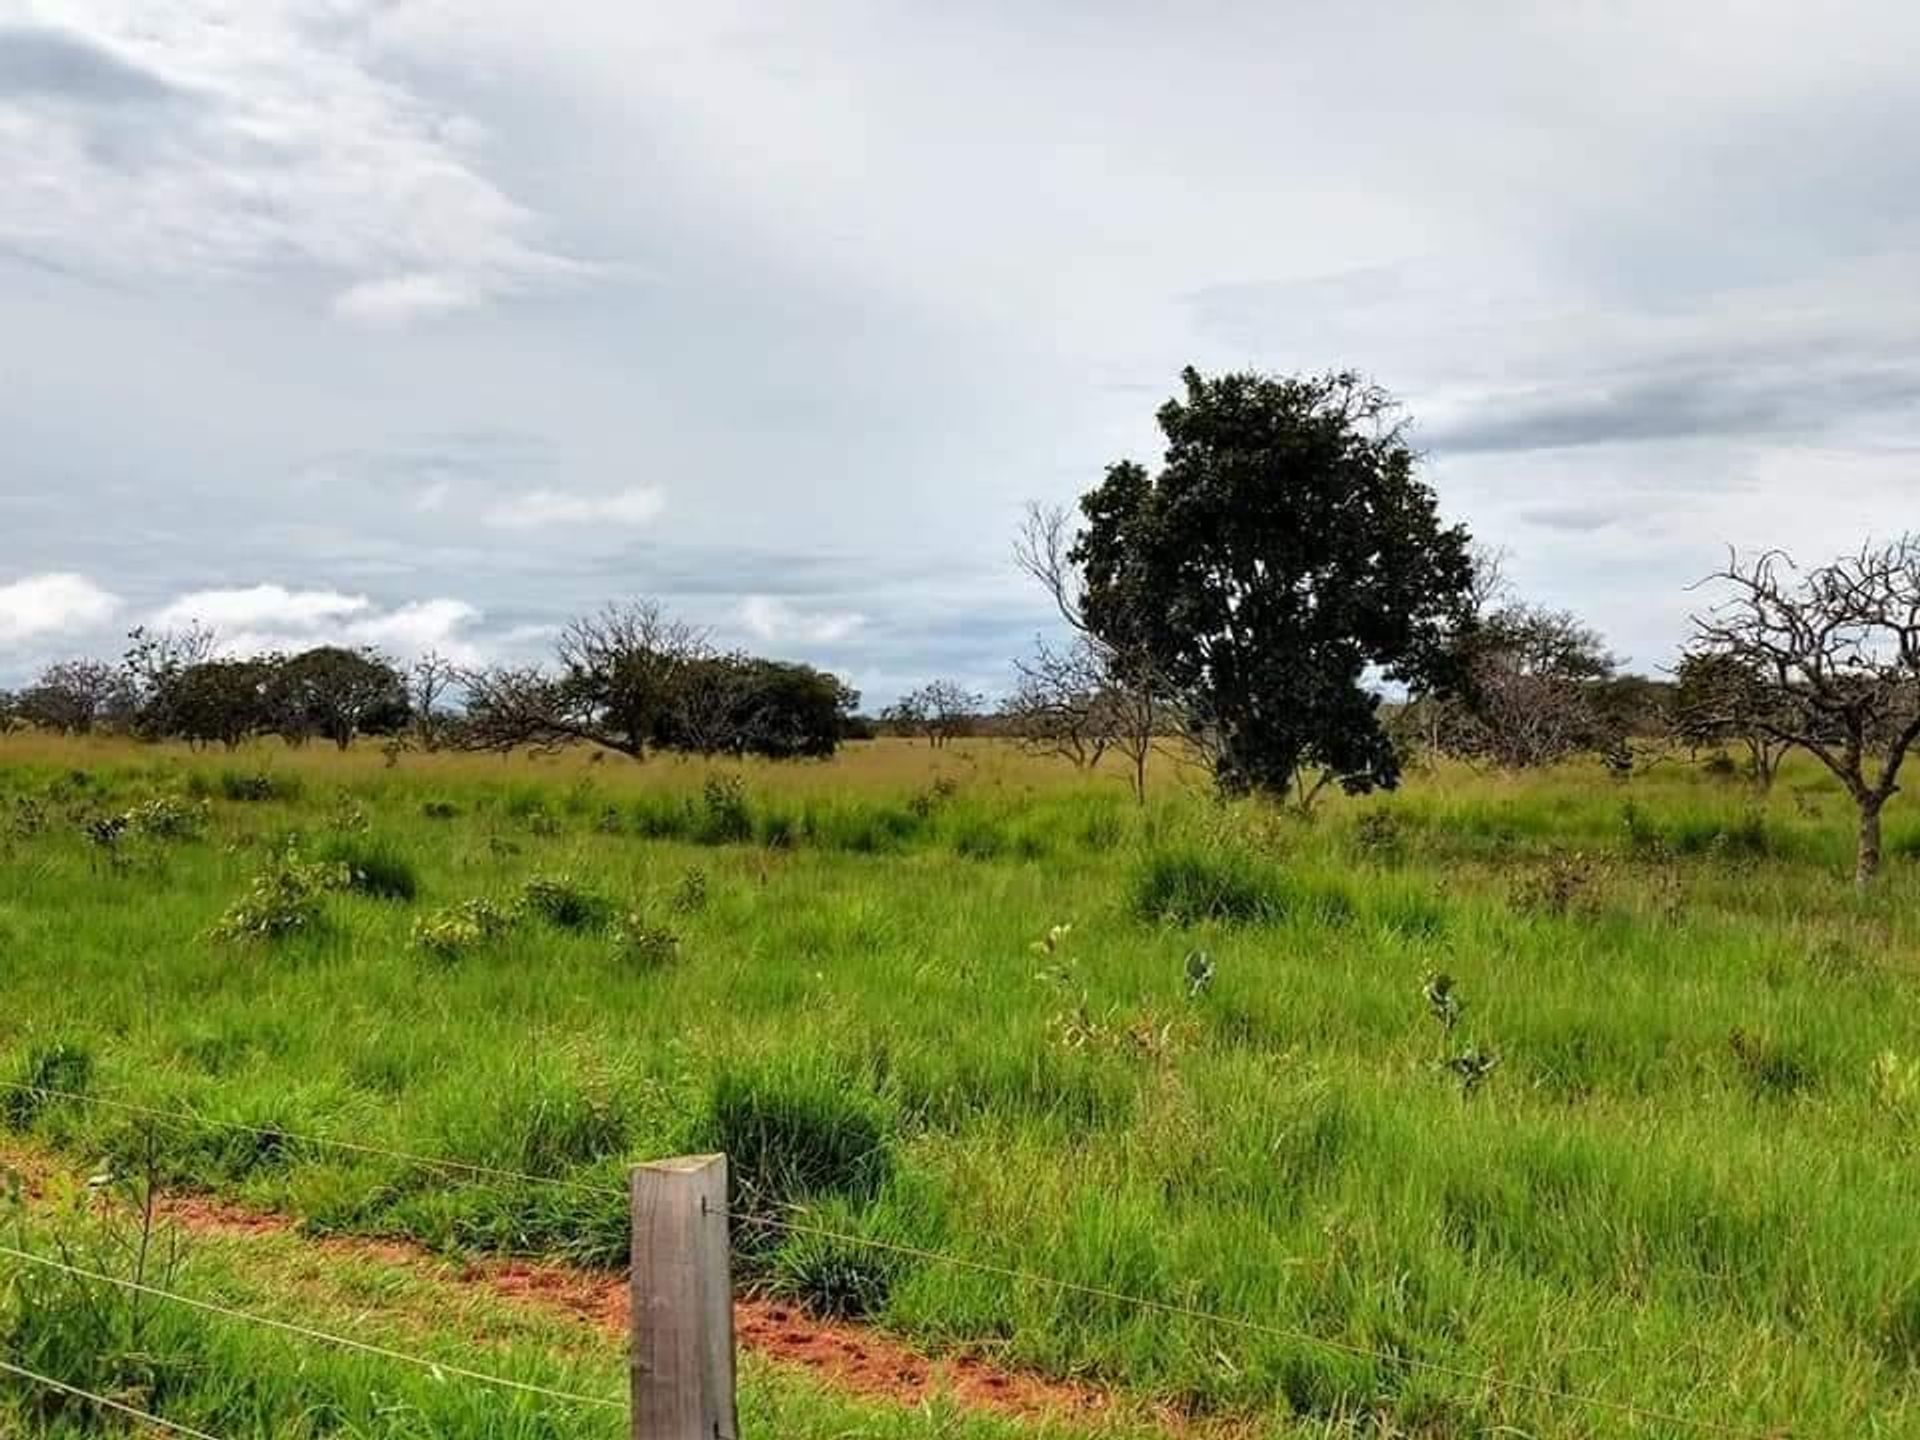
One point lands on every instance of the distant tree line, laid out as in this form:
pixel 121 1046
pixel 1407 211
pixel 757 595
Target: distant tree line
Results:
pixel 629 679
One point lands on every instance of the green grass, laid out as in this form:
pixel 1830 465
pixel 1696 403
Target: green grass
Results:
pixel 1686 1184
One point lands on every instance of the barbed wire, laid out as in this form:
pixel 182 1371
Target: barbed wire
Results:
pixel 193 1118
pixel 172 1427
pixel 439 1368
pixel 1352 1349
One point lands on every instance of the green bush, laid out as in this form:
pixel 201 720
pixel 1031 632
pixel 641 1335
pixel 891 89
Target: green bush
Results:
pixel 453 930
pixel 564 904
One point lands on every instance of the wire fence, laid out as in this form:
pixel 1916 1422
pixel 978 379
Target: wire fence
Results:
pixel 1486 1380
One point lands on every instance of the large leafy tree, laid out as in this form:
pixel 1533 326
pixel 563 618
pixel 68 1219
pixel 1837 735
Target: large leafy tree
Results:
pixel 1284 558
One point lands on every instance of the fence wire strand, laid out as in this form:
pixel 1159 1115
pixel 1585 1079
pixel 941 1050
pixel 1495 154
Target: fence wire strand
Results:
pixel 105 1402
pixel 1485 1379
pixel 439 1368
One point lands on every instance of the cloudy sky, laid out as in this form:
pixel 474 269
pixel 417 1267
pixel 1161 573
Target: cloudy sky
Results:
pixel 431 322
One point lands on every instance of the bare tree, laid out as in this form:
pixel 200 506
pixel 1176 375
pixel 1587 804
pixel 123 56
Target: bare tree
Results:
pixel 1531 690
pixel 1122 692
pixel 1059 705
pixel 1835 654
pixel 430 680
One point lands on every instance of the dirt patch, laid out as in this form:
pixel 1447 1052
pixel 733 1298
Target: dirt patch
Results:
pixel 851 1358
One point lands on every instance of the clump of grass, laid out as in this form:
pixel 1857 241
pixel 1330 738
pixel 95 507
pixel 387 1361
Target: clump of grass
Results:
pixel 1770 1068
pixel 282 900
pixel 255 786
pixel 62 1066
pixel 439 810
pixel 375 868
pixel 796 1133
pixel 564 903
pixel 1189 885
pixel 831 1277
pixel 454 930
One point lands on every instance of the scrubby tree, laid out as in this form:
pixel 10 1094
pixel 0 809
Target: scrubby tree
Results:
pixel 940 710
pixel 75 697
pixel 335 693
pixel 1834 656
pixel 219 701
pixel 10 718
pixel 1718 700
pixel 1283 558
pixel 152 665
pixel 1532 689
pixel 431 680
pixel 1058 705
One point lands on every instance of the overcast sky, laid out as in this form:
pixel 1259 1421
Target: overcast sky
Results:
pixel 432 322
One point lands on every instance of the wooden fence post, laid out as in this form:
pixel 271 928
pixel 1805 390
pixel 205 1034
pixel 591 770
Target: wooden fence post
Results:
pixel 682 1302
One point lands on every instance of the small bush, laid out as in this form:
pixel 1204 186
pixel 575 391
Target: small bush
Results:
pixel 1184 887
pixel 374 868
pixel 726 817
pixel 252 787
pixel 439 810
pixel 690 894
pixel 1565 885
pixel 61 1066
pixel 643 945
pixel 451 932
pixel 564 904
pixel 167 818
pixel 282 899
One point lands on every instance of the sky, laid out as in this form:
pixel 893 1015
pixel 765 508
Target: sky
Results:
pixel 431 323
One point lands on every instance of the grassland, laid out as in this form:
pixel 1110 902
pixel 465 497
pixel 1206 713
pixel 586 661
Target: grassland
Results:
pixel 1686 1184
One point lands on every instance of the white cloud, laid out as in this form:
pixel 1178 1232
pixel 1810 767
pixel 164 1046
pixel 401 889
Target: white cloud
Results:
pixel 539 508
pixel 773 620
pixel 57 603
pixel 272 606
pixel 216 139
pixel 272 617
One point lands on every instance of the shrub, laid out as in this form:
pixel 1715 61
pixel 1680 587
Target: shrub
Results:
pixel 452 931
pixel 644 945
pixel 564 904
pixel 690 895
pixel 374 868
pixel 792 1135
pixel 1190 885
pixel 255 786
pixel 167 818
pixel 726 817
pixel 439 810
pixel 1565 885
pixel 61 1066
pixel 282 899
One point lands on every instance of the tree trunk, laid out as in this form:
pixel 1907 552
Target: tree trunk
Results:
pixel 1868 864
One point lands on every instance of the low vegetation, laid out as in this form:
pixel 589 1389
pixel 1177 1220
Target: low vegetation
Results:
pixel 1579 1083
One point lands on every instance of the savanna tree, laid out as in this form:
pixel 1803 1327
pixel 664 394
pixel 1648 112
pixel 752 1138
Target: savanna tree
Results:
pixel 1532 689
pixel 75 697
pixel 1284 557
pixel 940 710
pixel 1832 658
pixel 335 693
pixel 1718 700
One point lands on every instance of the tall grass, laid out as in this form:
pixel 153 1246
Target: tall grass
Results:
pixel 1685 1182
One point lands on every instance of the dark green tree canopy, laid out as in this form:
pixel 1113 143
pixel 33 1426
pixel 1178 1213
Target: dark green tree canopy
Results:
pixel 1284 555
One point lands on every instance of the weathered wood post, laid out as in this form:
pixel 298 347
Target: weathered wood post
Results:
pixel 682 1302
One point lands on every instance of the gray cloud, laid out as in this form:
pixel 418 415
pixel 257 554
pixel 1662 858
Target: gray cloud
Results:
pixel 846 292
pixel 37 62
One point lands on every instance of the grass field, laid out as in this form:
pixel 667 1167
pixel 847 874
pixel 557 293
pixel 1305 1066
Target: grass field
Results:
pixel 1686 1182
